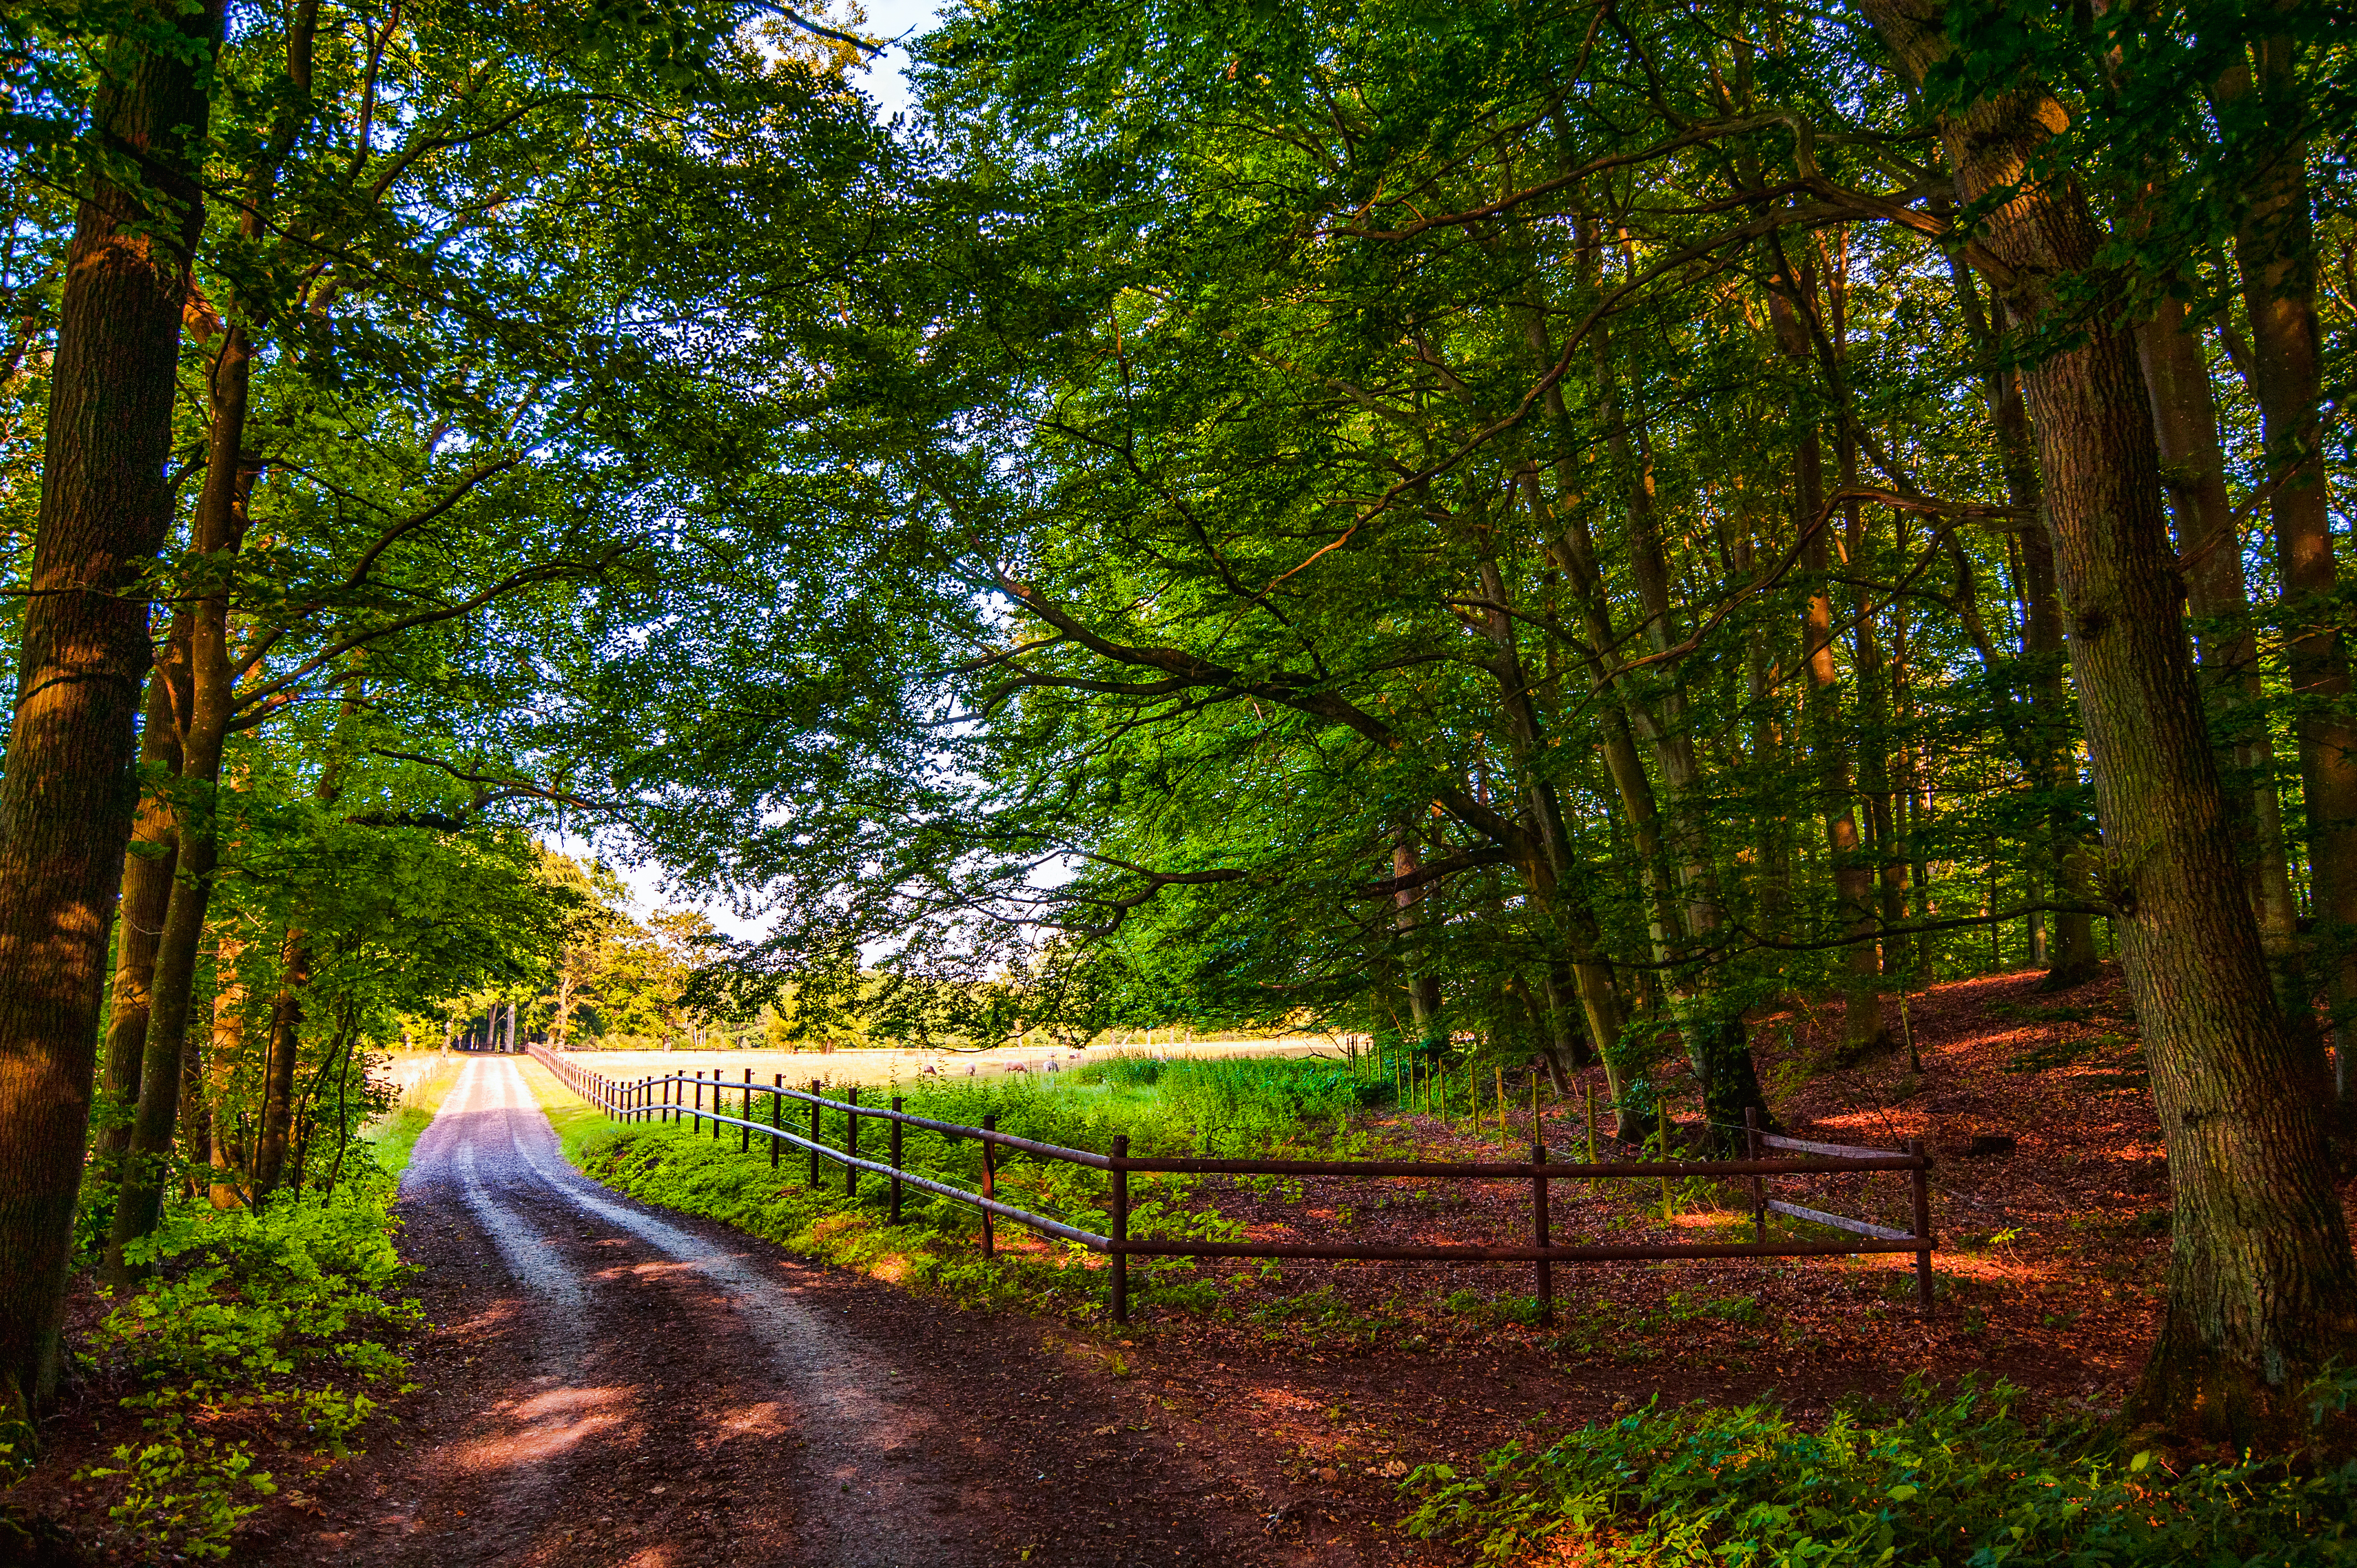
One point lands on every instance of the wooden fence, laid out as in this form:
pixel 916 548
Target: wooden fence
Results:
pixel 680 1097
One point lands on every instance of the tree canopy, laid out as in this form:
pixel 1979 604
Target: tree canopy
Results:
pixel 1555 525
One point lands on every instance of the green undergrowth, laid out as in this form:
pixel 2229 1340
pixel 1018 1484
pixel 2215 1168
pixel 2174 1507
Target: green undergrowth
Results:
pixel 1265 1106
pixel 257 1332
pixel 1957 1481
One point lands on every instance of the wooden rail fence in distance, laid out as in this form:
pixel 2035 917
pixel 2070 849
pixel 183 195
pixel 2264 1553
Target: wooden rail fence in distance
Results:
pixel 680 1097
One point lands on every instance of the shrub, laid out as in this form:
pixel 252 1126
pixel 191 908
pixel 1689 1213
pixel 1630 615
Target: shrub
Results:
pixel 256 1324
pixel 1961 1483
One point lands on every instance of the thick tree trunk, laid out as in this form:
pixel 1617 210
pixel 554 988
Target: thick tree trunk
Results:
pixel 2262 1288
pixel 147 894
pixel 66 802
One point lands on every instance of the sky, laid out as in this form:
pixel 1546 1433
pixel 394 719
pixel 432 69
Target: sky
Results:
pixel 890 19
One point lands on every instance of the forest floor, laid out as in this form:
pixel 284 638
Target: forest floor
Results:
pixel 633 1407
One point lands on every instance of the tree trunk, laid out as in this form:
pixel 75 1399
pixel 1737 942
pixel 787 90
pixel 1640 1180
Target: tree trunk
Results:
pixel 2275 250
pixel 2044 744
pixel 219 528
pixel 67 797
pixel 2193 470
pixel 1862 1032
pixel 1422 985
pixel 1709 1021
pixel 146 895
pixel 227 1057
pixel 278 1068
pixel 196 1121
pixel 2262 1288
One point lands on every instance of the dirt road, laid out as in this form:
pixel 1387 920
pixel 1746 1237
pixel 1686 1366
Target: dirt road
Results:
pixel 609 1384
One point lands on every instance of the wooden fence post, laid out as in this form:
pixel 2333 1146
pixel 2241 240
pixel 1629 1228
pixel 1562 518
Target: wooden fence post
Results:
pixel 1759 1185
pixel 1539 1230
pixel 989 1184
pixel 896 1165
pixel 1921 1183
pixel 777 1116
pixel 1662 1112
pixel 1120 1228
pixel 745 1134
pixel 851 1143
pixel 813 1180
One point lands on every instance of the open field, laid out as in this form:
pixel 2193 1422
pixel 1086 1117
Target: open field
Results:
pixel 870 1068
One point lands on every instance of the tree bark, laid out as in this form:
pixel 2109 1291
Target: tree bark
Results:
pixel 1422 985
pixel 66 802
pixel 278 1064
pixel 2044 742
pixel 220 529
pixel 1863 1032
pixel 2262 1288
pixel 2275 251
pixel 2193 470
pixel 218 534
pixel 147 894
pixel 227 1057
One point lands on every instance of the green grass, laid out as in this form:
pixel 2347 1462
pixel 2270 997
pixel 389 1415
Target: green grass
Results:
pixel 574 1118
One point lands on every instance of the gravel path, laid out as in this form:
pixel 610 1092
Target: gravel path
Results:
pixel 605 1383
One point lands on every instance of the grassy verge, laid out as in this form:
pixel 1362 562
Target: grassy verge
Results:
pixel 260 1334
pixel 574 1118
pixel 1956 1480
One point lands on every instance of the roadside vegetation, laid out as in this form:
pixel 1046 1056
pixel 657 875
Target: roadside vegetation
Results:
pixel 256 1344
pixel 1953 1478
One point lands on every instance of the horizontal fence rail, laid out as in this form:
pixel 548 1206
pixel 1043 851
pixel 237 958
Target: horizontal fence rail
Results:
pixel 676 1096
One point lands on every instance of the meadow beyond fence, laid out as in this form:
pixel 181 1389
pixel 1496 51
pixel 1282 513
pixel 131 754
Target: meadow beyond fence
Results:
pixel 762 1110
